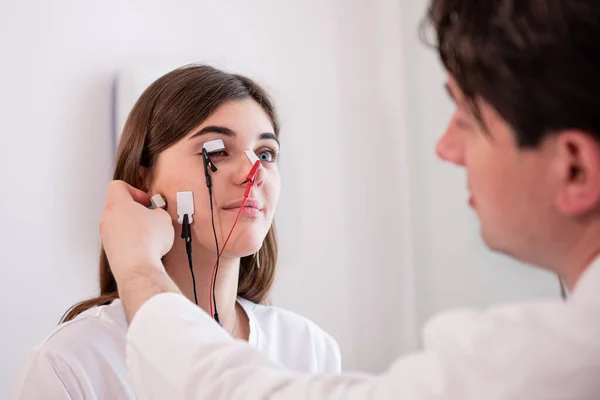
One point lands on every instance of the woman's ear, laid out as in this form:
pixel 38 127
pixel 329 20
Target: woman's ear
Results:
pixel 144 175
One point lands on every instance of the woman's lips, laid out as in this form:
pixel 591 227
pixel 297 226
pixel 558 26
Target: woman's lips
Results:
pixel 252 208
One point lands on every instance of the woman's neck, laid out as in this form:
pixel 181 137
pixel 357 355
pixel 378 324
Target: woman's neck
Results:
pixel 177 266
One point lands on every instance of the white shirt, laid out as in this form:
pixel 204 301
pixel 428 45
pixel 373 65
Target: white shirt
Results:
pixel 85 358
pixel 537 350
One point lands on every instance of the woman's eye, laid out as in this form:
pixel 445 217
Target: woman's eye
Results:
pixel 267 156
pixel 218 153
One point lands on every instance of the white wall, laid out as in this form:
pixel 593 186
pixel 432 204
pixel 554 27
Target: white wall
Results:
pixel 59 61
pixel 350 79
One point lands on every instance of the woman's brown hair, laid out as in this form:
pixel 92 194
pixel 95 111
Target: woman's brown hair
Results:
pixel 168 109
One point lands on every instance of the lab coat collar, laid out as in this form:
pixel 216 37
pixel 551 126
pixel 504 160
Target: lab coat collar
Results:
pixel 587 288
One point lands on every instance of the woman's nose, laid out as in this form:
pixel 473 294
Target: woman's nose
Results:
pixel 261 176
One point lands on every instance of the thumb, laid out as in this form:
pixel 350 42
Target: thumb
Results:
pixel 121 191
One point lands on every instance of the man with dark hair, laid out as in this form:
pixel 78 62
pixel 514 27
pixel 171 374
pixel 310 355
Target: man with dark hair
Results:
pixel 525 77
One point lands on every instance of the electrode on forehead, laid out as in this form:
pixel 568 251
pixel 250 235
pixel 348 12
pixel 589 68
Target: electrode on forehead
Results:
pixel 185 205
pixel 214 145
pixel 252 156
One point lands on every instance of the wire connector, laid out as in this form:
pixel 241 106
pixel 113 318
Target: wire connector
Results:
pixel 251 178
pixel 209 147
pixel 186 234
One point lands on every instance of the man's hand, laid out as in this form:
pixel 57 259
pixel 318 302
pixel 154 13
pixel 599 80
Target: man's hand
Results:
pixel 133 236
pixel 135 239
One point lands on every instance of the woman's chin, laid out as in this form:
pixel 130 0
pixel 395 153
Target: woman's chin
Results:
pixel 244 242
pixel 240 249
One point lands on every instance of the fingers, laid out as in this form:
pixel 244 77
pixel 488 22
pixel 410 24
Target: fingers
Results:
pixel 122 191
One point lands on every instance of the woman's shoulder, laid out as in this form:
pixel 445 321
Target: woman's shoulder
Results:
pixel 83 354
pixel 278 327
pixel 97 326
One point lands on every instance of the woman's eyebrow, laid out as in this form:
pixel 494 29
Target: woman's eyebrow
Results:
pixel 268 136
pixel 214 129
pixel 221 130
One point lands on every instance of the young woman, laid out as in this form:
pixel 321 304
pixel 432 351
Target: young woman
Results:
pixel 161 152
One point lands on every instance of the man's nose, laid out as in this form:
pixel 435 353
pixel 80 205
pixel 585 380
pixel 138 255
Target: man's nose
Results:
pixel 450 147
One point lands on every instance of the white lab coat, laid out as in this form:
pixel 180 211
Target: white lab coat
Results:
pixel 537 350
pixel 86 358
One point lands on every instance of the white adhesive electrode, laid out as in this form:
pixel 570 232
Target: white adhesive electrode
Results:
pixel 185 205
pixel 252 156
pixel 214 145
pixel 157 201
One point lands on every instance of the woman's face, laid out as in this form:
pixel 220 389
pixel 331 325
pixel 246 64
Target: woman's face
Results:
pixel 241 125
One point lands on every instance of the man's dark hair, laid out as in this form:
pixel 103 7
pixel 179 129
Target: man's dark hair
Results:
pixel 536 62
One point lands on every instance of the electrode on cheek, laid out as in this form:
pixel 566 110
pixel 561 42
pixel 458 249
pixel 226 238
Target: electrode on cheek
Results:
pixel 185 210
pixel 185 205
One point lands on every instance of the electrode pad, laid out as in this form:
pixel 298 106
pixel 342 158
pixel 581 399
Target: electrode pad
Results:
pixel 185 205
pixel 158 201
pixel 214 145
pixel 252 156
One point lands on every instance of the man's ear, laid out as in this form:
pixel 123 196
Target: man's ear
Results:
pixel 578 162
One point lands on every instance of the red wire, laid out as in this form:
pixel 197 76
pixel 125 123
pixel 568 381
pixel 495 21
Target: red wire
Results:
pixel 249 186
pixel 212 280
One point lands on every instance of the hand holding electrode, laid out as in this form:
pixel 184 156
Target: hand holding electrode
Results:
pixel 134 236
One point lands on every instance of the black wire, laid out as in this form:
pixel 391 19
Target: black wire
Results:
pixel 212 217
pixel 193 277
pixel 186 234
pixel 208 164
